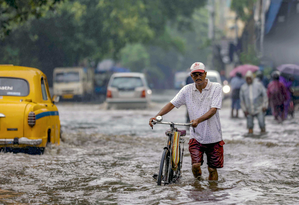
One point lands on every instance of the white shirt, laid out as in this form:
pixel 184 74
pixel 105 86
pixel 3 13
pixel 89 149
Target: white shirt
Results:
pixel 198 104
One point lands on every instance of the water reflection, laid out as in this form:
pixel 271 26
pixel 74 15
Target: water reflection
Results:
pixel 205 190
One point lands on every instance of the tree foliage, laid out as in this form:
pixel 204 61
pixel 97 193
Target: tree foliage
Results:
pixel 243 8
pixel 135 57
pixel 15 12
pixel 249 56
pixel 166 58
pixel 94 30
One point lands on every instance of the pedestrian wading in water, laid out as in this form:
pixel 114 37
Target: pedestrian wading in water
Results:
pixel 203 100
pixel 254 102
pixel 277 94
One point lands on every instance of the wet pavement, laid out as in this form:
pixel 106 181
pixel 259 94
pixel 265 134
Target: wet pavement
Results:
pixel 109 157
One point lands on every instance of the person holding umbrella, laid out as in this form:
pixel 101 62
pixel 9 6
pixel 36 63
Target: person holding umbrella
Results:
pixel 277 95
pixel 287 81
pixel 288 71
pixel 254 102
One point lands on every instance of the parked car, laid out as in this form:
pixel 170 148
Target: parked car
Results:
pixel 128 90
pixel 73 83
pixel 29 118
pixel 214 76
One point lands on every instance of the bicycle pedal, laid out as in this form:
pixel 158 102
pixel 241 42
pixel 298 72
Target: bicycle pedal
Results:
pixel 155 176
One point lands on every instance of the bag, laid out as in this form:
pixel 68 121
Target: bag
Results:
pixel 175 151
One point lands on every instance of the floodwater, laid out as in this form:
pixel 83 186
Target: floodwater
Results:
pixel 109 157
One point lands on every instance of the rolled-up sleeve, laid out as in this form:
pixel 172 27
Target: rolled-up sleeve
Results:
pixel 180 98
pixel 217 97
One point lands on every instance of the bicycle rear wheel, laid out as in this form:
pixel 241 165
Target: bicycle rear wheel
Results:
pixel 163 175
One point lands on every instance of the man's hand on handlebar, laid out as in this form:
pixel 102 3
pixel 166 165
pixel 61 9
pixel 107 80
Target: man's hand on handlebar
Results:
pixel 194 123
pixel 151 121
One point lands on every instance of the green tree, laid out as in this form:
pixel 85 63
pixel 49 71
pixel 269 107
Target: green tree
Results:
pixel 16 12
pixel 243 8
pixel 96 29
pixel 249 56
pixel 135 57
pixel 190 47
pixel 143 21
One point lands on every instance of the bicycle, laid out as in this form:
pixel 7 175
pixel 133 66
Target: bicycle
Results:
pixel 172 156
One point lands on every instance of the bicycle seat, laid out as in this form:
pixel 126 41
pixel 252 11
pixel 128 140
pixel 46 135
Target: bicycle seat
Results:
pixel 183 132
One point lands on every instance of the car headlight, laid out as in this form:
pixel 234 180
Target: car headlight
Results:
pixel 226 89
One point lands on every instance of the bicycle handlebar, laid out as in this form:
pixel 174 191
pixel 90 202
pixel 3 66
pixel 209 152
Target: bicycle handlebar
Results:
pixel 172 123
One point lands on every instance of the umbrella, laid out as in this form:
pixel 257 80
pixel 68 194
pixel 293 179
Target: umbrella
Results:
pixel 243 69
pixel 289 69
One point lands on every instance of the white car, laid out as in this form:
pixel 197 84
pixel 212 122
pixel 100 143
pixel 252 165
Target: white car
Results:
pixel 214 76
pixel 128 90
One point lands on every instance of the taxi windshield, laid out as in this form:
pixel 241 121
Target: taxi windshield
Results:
pixel 13 87
pixel 67 77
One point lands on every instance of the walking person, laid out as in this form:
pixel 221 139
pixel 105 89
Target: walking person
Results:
pixel 203 100
pixel 277 95
pixel 287 81
pixel 254 102
pixel 236 83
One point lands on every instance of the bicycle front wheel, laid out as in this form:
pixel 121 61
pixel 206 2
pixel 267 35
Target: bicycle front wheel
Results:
pixel 164 168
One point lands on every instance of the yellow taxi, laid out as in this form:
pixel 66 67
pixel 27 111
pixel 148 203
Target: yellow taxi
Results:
pixel 29 118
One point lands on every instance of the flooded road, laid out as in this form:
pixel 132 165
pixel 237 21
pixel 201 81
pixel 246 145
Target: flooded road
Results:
pixel 109 157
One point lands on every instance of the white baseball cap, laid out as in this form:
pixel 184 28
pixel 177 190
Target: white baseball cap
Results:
pixel 197 67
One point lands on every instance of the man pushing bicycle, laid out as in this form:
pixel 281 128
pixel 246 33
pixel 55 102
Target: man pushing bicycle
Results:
pixel 202 99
